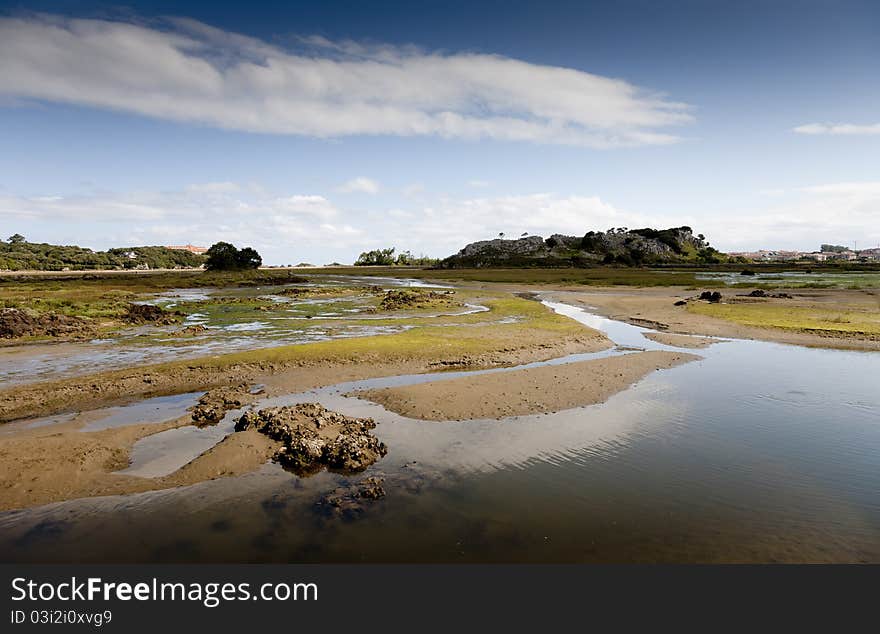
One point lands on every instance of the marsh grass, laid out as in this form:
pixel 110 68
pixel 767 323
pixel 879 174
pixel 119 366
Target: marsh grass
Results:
pixel 852 321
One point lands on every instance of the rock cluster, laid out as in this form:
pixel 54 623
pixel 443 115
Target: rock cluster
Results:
pixel 713 297
pixel 214 404
pixel 414 298
pixel 149 314
pixel 349 502
pixel 762 293
pixel 314 438
pixel 15 322
pixel 190 331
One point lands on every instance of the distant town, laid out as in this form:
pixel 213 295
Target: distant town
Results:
pixel 827 253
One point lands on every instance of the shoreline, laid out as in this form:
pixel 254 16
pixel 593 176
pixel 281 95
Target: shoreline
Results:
pixel 541 390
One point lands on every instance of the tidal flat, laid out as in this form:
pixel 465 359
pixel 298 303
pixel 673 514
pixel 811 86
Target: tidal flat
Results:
pixel 604 410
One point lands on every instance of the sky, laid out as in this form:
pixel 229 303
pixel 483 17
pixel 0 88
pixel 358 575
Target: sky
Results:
pixel 313 131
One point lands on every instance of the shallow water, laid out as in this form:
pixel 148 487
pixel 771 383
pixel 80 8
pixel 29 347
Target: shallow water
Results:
pixel 757 452
pixel 226 332
pixel 793 279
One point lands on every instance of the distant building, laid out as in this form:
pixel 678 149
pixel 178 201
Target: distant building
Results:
pixel 190 248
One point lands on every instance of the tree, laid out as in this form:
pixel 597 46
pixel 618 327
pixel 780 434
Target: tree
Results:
pixel 248 258
pixel 17 239
pixel 223 256
pixel 377 257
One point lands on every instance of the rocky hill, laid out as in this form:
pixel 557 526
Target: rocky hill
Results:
pixel 629 247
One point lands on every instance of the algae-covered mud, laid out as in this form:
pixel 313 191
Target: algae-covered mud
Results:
pixel 493 424
pixel 193 322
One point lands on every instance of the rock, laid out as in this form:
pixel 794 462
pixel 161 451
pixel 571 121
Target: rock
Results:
pixel 15 322
pixel 190 331
pixel 349 502
pixel 414 298
pixel 712 297
pixel 149 314
pixel 620 246
pixel 214 404
pixel 314 438
pixel 681 302
pixel 762 293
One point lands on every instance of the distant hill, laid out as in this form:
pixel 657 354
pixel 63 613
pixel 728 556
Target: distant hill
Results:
pixel 20 255
pixel 629 247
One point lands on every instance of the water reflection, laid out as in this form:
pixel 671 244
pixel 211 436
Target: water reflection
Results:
pixel 758 452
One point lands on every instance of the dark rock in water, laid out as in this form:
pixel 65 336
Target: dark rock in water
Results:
pixel 149 314
pixel 747 272
pixel 762 293
pixel 190 331
pixel 681 302
pixel 314 438
pixel 349 502
pixel 711 296
pixel 403 299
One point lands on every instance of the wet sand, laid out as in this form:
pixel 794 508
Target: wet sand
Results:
pixel 521 392
pixel 60 462
pixel 681 341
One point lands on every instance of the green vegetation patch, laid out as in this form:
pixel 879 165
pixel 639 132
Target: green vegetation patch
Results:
pixel 817 320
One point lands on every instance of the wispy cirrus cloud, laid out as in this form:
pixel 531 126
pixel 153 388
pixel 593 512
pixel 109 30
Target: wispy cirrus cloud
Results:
pixel 841 129
pixel 184 70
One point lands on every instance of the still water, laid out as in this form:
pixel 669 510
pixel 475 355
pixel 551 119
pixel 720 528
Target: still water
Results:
pixel 757 452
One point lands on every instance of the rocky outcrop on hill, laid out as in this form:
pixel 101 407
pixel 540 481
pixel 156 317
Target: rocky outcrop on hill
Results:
pixel 630 247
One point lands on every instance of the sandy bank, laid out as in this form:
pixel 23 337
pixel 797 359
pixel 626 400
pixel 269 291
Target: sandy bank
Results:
pixel 655 308
pixel 680 341
pixel 520 392
pixel 59 462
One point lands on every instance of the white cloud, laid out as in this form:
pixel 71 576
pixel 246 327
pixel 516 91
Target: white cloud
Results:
pixel 360 184
pixel 310 227
pixel 413 190
pixel 807 217
pixel 198 214
pixel 449 224
pixel 838 129
pixel 183 70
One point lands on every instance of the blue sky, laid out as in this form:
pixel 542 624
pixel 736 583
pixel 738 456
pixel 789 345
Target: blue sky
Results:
pixel 313 131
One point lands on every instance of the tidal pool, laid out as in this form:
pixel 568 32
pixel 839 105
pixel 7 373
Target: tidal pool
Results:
pixel 758 452
pixel 228 328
